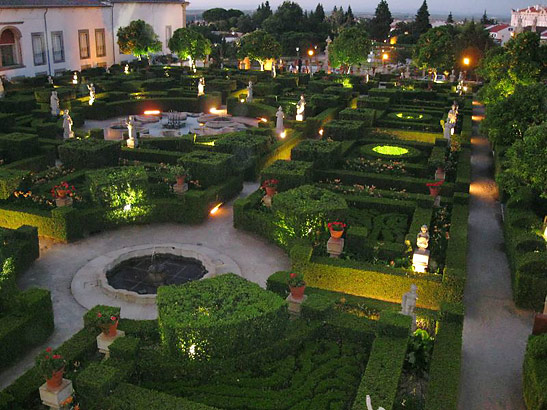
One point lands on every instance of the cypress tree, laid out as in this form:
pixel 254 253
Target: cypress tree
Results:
pixel 421 23
pixel 450 19
pixel 380 23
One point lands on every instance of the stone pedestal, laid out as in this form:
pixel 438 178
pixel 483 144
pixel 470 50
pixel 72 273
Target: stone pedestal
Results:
pixel 103 342
pixel 132 143
pixel 335 246
pixel 295 306
pixel 420 260
pixel 54 398
pixel 437 201
pixel 180 189
pixel 67 201
pixel 267 200
pixel 299 117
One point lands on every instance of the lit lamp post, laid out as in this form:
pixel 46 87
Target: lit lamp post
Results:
pixel 385 57
pixel 466 61
pixel 311 53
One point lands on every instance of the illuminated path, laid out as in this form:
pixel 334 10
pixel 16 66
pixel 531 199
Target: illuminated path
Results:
pixel 495 331
pixel 58 263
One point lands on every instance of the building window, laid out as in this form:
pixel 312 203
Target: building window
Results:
pixel 168 35
pixel 58 46
pixel 38 48
pixel 100 42
pixel 83 38
pixel 9 47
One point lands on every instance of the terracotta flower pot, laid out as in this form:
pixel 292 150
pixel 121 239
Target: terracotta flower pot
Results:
pixel 181 179
pixel 56 379
pixel 61 193
pixel 336 234
pixel 271 191
pixel 110 330
pixel 434 191
pixel 297 292
pixel 440 174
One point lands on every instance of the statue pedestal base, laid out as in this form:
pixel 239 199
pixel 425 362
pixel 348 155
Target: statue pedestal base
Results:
pixel 295 306
pixel 267 200
pixel 180 189
pixel 66 201
pixel 54 398
pixel 132 143
pixel 104 341
pixel 420 260
pixel 335 246
pixel 299 117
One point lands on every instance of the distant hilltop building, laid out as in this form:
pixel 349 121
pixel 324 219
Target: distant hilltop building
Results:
pixel 51 36
pixel 530 16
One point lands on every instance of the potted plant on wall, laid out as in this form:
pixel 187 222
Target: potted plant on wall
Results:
pixel 107 320
pixel 434 188
pixel 296 285
pixel 179 172
pixel 336 229
pixel 270 186
pixel 62 192
pixel 52 366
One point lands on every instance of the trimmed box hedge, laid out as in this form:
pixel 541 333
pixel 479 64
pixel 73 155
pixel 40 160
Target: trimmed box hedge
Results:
pixel 290 174
pixel 208 167
pixel 535 373
pixel 341 130
pixel 322 153
pixel 89 153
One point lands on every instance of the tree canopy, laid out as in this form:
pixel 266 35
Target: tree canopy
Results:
pixel 472 41
pixel 435 49
pixel 260 46
pixel 350 47
pixel 138 39
pixel 379 26
pixel 421 22
pixel 190 45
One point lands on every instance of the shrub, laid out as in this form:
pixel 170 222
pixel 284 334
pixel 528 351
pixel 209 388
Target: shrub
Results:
pixel 209 168
pixel 535 373
pixel 391 151
pixel 118 187
pixel 323 154
pixel 289 174
pixel 366 115
pixel 95 382
pixel 344 130
pixel 321 102
pixel 10 180
pixel 202 319
pixel 89 153
pixel 18 145
pixel 378 103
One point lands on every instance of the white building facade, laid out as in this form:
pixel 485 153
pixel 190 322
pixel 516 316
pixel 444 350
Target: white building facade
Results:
pixel 501 33
pixel 51 36
pixel 530 16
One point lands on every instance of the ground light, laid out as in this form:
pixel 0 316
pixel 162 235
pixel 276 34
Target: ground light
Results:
pixel 321 131
pixel 152 112
pixel 127 208
pixel 283 135
pixel 215 209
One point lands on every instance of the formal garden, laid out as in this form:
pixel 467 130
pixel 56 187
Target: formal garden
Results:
pixel 361 179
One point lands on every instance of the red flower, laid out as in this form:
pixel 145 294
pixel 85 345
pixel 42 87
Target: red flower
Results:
pixel 56 356
pixel 113 318
pixel 47 357
pixel 99 314
pixel 48 349
pixel 293 275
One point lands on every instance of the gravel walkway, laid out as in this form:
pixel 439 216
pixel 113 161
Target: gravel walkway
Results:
pixel 495 331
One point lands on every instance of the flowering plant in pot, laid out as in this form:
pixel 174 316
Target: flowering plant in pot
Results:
pixel 434 187
pixel 270 186
pixel 179 172
pixel 63 190
pixel 52 366
pixel 297 285
pixel 336 229
pixel 107 320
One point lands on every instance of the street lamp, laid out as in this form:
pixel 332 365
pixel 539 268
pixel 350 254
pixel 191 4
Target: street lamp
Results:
pixel 466 61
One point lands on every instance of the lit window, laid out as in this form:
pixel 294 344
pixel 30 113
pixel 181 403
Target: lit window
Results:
pixel 100 42
pixel 83 39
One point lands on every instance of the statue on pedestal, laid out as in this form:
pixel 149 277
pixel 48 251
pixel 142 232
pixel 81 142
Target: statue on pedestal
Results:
pixel 67 126
pixel 422 239
pixel 408 303
pixel 75 78
pixel 91 89
pixel 54 104
pixel 201 87
pixel 300 109
pixel 369 404
pixel 279 127
pixel 126 69
pixel 131 132
pixel 50 80
pixel 250 92
pixel 452 77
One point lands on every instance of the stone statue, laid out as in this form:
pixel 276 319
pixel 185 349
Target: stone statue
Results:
pixel 409 301
pixel 130 123
pixel 75 78
pixel 2 92
pixel 250 92
pixel 54 104
pixel 126 69
pixel 279 123
pixel 50 80
pixel 369 404
pixel 91 89
pixel 328 41
pixel 407 72
pixel 300 109
pixel 201 87
pixel 67 126
pixel 274 70
pixel 452 77
pixel 422 239
pixel 460 76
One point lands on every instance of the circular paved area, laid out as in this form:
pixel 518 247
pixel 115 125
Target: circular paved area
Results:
pixel 58 264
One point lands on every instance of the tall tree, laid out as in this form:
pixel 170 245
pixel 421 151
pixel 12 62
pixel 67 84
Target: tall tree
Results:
pixel 260 46
pixel 381 22
pixel 421 22
pixel 435 49
pixel 350 47
pixel 189 45
pixel 138 39
pixel 288 17
pixel 350 18
pixel 262 13
pixel 486 21
pixel 450 19
pixel 472 41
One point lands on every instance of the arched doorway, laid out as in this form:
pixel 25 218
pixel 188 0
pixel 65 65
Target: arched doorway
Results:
pixel 9 47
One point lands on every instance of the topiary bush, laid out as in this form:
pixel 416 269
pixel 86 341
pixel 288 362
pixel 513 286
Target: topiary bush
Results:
pixel 322 153
pixel 89 153
pixel 290 174
pixel 118 187
pixel 221 317
pixel 341 130
pixel 208 167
